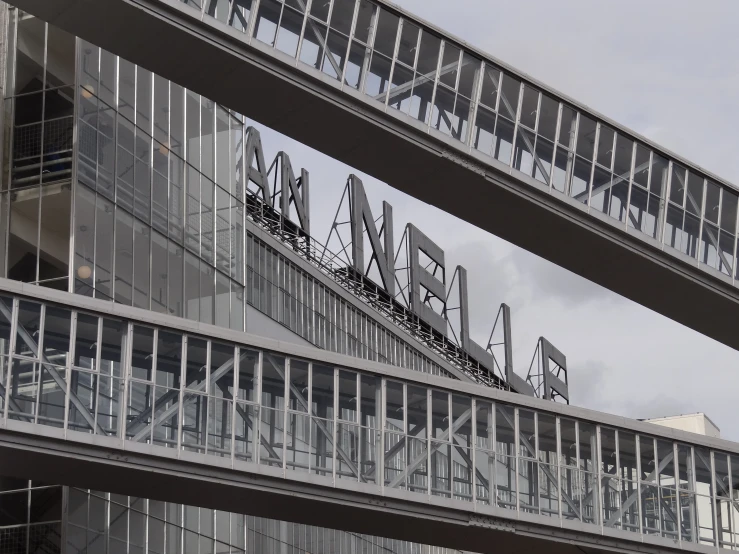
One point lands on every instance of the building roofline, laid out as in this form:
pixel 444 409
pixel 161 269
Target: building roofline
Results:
pixel 676 416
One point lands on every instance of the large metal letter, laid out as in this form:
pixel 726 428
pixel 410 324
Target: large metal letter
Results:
pixel 480 354
pixel 553 383
pixel 361 217
pixel 296 191
pixel 483 355
pixel 258 174
pixel 420 276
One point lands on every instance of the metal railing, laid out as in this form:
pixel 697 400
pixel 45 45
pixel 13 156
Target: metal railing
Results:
pixel 42 151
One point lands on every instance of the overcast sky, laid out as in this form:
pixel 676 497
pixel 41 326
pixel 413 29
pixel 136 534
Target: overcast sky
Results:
pixel 668 69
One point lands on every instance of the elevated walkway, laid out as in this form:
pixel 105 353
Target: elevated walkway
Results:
pixel 150 405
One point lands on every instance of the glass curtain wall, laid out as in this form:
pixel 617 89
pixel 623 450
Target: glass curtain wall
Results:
pixel 160 174
pixel 30 517
pixel 136 525
pixel 36 195
pixel 159 200
pixel 312 310
pixel 491 111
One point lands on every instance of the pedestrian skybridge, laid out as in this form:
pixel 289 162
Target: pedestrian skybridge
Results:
pixel 405 102
pixel 119 399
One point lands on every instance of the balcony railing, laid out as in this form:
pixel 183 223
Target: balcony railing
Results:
pixel 42 152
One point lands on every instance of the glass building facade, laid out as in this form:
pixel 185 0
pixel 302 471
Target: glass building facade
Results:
pixel 123 186
pixel 148 207
pixel 120 185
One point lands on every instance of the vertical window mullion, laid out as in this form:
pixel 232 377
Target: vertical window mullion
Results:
pixel 555 149
pixel 668 190
pixel 278 25
pixel 306 20
pixel 534 477
pixel 369 46
pixel 579 470
pixel 41 152
pixel 380 473
pixel 592 165
pixel 249 31
pixel 734 250
pixel 256 429
pixel 631 185
pixel 429 434
pixel 637 438
pixel 516 122
pixel 715 502
pixel 398 34
pixel 558 434
pixel 701 216
pixel 598 501
pixel 286 406
pixel 436 84
pixel 183 369
pixel 474 102
pixel 516 454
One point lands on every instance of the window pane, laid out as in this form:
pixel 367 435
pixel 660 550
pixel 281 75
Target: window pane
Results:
pixel 659 171
pixel 529 106
pixel 385 35
pixel 394 415
pixel 342 15
pixel 728 210
pixel 581 180
pixel 548 112
pixel 523 156
pixel 123 257
pixel 694 198
pixel 713 196
pixel 141 265
pixel 196 368
pixel 267 18
pixel 509 96
pixel 677 184
pixel 468 75
pixel 273 380
pixel 85 341
pixel 503 140
pixel 408 43
pixel 428 55
pixel 641 166
pixel 449 65
pixel 364 20
pixel 605 146
pixel 323 391
pixel 370 400
pixel 586 137
pixel 378 77
pixel 355 64
pixel 169 356
pixel 440 415
pixel 142 351
pixel 567 127
pixel 289 33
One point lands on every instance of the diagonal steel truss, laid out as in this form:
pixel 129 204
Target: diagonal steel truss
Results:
pixel 33 346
